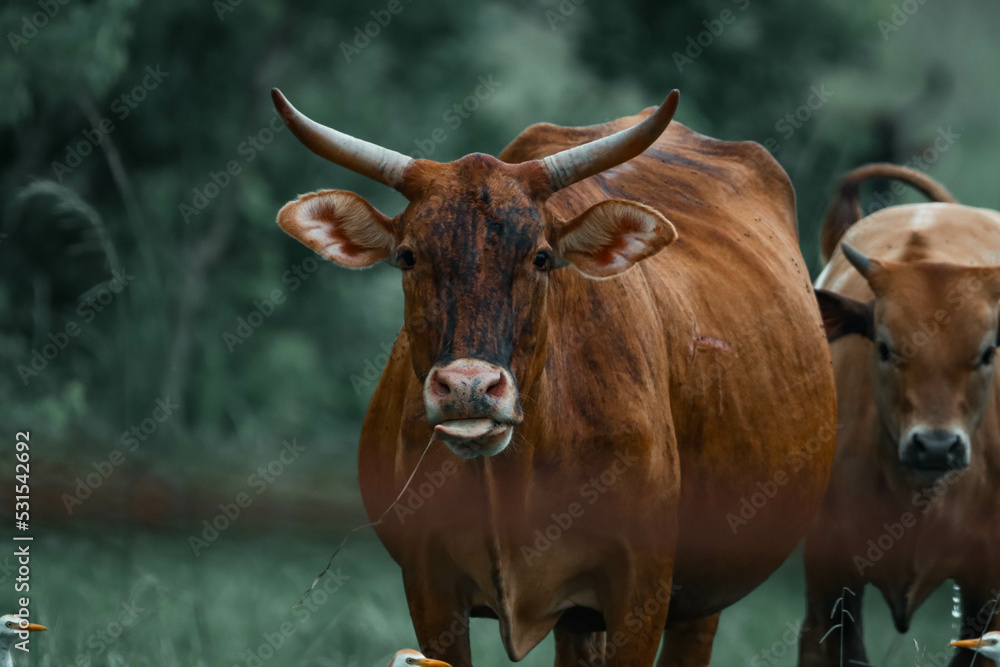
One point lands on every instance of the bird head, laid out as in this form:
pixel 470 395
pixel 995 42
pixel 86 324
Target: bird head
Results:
pixel 11 624
pixel 988 645
pixel 408 657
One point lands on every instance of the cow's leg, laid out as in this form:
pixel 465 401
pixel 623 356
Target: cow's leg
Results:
pixel 688 643
pixel 578 649
pixel 828 604
pixel 635 617
pixel 441 624
pixel 977 606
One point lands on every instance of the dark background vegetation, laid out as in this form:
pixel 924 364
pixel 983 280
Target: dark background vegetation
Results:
pixel 895 75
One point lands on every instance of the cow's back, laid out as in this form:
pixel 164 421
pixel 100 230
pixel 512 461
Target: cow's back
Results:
pixel 951 233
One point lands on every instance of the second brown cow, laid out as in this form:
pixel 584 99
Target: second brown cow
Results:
pixel 913 499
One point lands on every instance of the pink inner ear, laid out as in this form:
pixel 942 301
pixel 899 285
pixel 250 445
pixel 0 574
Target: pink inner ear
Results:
pixel 630 242
pixel 614 253
pixel 331 227
pixel 340 226
pixel 341 249
pixel 614 238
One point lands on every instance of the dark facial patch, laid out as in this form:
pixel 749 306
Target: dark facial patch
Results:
pixel 475 234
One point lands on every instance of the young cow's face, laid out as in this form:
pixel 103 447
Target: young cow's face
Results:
pixel 475 246
pixel 933 329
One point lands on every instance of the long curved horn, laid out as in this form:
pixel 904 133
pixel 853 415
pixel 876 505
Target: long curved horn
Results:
pixel 575 164
pixel 380 164
pixel 857 258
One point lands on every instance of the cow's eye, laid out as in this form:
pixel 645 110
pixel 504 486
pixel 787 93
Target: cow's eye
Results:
pixel 883 352
pixel 543 261
pixel 987 357
pixel 405 259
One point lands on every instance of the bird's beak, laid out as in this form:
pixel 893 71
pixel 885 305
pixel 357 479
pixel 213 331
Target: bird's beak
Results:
pixel 968 643
pixel 427 662
pixel 34 627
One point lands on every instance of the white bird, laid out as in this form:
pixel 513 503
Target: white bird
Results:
pixel 11 627
pixel 988 645
pixel 408 657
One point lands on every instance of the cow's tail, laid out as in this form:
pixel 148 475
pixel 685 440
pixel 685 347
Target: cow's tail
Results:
pixel 845 209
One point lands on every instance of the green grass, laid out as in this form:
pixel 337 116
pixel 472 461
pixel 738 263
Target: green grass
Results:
pixel 212 609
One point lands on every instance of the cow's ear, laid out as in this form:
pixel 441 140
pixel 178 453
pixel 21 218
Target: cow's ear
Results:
pixel 843 316
pixel 340 226
pixel 610 237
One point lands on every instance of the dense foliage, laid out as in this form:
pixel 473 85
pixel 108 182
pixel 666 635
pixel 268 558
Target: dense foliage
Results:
pixel 143 167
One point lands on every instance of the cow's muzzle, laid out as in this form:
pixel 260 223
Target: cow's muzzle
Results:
pixel 935 451
pixel 473 406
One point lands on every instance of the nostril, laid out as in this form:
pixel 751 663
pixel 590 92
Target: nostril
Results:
pixel 439 386
pixel 919 445
pixel 497 388
pixel 956 447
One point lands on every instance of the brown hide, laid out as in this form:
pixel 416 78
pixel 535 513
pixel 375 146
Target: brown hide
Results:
pixel 882 522
pixel 678 422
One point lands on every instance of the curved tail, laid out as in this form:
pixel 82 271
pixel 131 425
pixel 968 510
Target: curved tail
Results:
pixel 845 209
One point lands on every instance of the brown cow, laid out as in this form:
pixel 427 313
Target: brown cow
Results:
pixel 567 409
pixel 913 499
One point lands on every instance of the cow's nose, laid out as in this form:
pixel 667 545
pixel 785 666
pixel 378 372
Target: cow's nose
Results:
pixel 937 450
pixel 467 383
pixel 470 389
